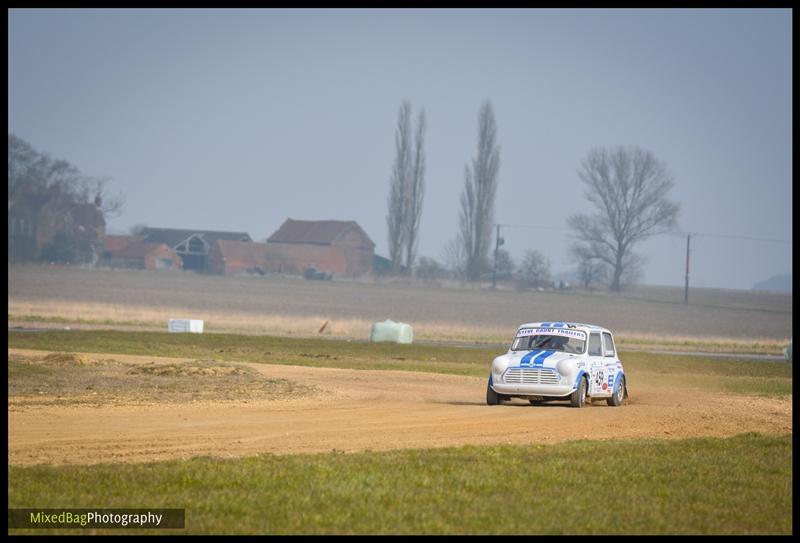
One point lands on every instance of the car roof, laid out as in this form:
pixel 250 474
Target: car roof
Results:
pixel 562 324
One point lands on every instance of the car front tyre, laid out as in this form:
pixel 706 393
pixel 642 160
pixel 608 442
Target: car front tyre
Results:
pixel 578 398
pixel 492 397
pixel 619 395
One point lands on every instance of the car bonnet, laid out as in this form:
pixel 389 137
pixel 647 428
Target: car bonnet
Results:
pixel 538 358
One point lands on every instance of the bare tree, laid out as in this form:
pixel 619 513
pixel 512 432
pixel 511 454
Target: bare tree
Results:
pixel 398 187
pixel 416 193
pixel 629 187
pixel 634 269
pixel 505 264
pixel 477 198
pixel 429 268
pixel 111 206
pixel 590 269
pixel 534 271
pixel 33 172
pixel 453 256
pixel 62 194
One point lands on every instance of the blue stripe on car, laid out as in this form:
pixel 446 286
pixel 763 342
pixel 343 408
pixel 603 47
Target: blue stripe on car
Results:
pixel 526 360
pixel 558 325
pixel 617 381
pixel 578 379
pixel 540 359
pixel 545 325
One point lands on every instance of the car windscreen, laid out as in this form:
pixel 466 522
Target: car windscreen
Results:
pixel 562 340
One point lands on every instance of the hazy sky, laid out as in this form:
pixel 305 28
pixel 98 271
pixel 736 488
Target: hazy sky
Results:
pixel 238 119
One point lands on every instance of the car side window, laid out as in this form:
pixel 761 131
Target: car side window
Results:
pixel 594 345
pixel 609 344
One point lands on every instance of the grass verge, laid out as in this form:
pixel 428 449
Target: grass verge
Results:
pixel 747 377
pixel 738 485
pixel 94 315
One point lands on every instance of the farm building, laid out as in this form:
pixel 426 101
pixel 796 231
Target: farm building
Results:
pixel 337 247
pixel 228 257
pixel 112 244
pixel 192 246
pixel 132 252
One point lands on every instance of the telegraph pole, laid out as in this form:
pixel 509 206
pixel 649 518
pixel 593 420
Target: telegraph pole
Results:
pixel 496 246
pixel 686 288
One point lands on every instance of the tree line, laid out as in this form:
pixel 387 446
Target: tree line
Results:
pixel 627 186
pixel 47 191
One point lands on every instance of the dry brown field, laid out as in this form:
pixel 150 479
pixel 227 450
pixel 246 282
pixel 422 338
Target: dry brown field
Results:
pixel 294 306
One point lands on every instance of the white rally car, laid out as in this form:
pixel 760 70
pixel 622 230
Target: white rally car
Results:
pixel 558 361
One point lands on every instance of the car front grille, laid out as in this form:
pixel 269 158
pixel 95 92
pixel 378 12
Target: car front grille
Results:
pixel 531 376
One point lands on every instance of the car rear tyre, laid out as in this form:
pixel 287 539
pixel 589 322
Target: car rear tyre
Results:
pixel 492 397
pixel 578 398
pixel 619 395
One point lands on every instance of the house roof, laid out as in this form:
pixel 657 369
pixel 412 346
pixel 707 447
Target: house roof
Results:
pixel 313 232
pixel 174 236
pixel 115 243
pixel 138 249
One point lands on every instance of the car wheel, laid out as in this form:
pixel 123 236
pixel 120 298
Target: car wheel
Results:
pixel 578 398
pixel 619 396
pixel 492 397
pixel 536 402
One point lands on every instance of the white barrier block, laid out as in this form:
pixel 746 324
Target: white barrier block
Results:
pixel 185 325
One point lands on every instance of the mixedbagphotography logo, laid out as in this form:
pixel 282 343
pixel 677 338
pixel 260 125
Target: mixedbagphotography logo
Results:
pixel 96 518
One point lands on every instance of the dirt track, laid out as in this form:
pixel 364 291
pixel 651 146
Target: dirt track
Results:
pixel 360 410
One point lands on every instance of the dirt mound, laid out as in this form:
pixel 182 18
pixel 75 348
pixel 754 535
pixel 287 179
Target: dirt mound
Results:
pixel 196 368
pixel 67 379
pixel 69 358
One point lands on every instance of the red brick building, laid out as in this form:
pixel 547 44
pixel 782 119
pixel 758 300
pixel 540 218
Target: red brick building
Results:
pixel 228 257
pixel 132 252
pixel 337 247
pixel 192 246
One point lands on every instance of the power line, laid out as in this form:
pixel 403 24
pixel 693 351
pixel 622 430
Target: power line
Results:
pixel 681 234
pixel 504 225
pixel 677 234
pixel 772 240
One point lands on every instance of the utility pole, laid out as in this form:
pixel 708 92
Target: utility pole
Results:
pixel 497 243
pixel 686 289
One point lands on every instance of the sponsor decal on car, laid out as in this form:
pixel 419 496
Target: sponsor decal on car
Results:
pixel 552 332
pixel 599 378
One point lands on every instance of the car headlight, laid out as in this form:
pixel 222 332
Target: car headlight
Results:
pixel 498 366
pixel 564 368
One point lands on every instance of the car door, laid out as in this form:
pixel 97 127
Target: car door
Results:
pixel 597 374
pixel 611 363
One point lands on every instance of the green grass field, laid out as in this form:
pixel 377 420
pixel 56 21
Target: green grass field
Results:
pixel 738 485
